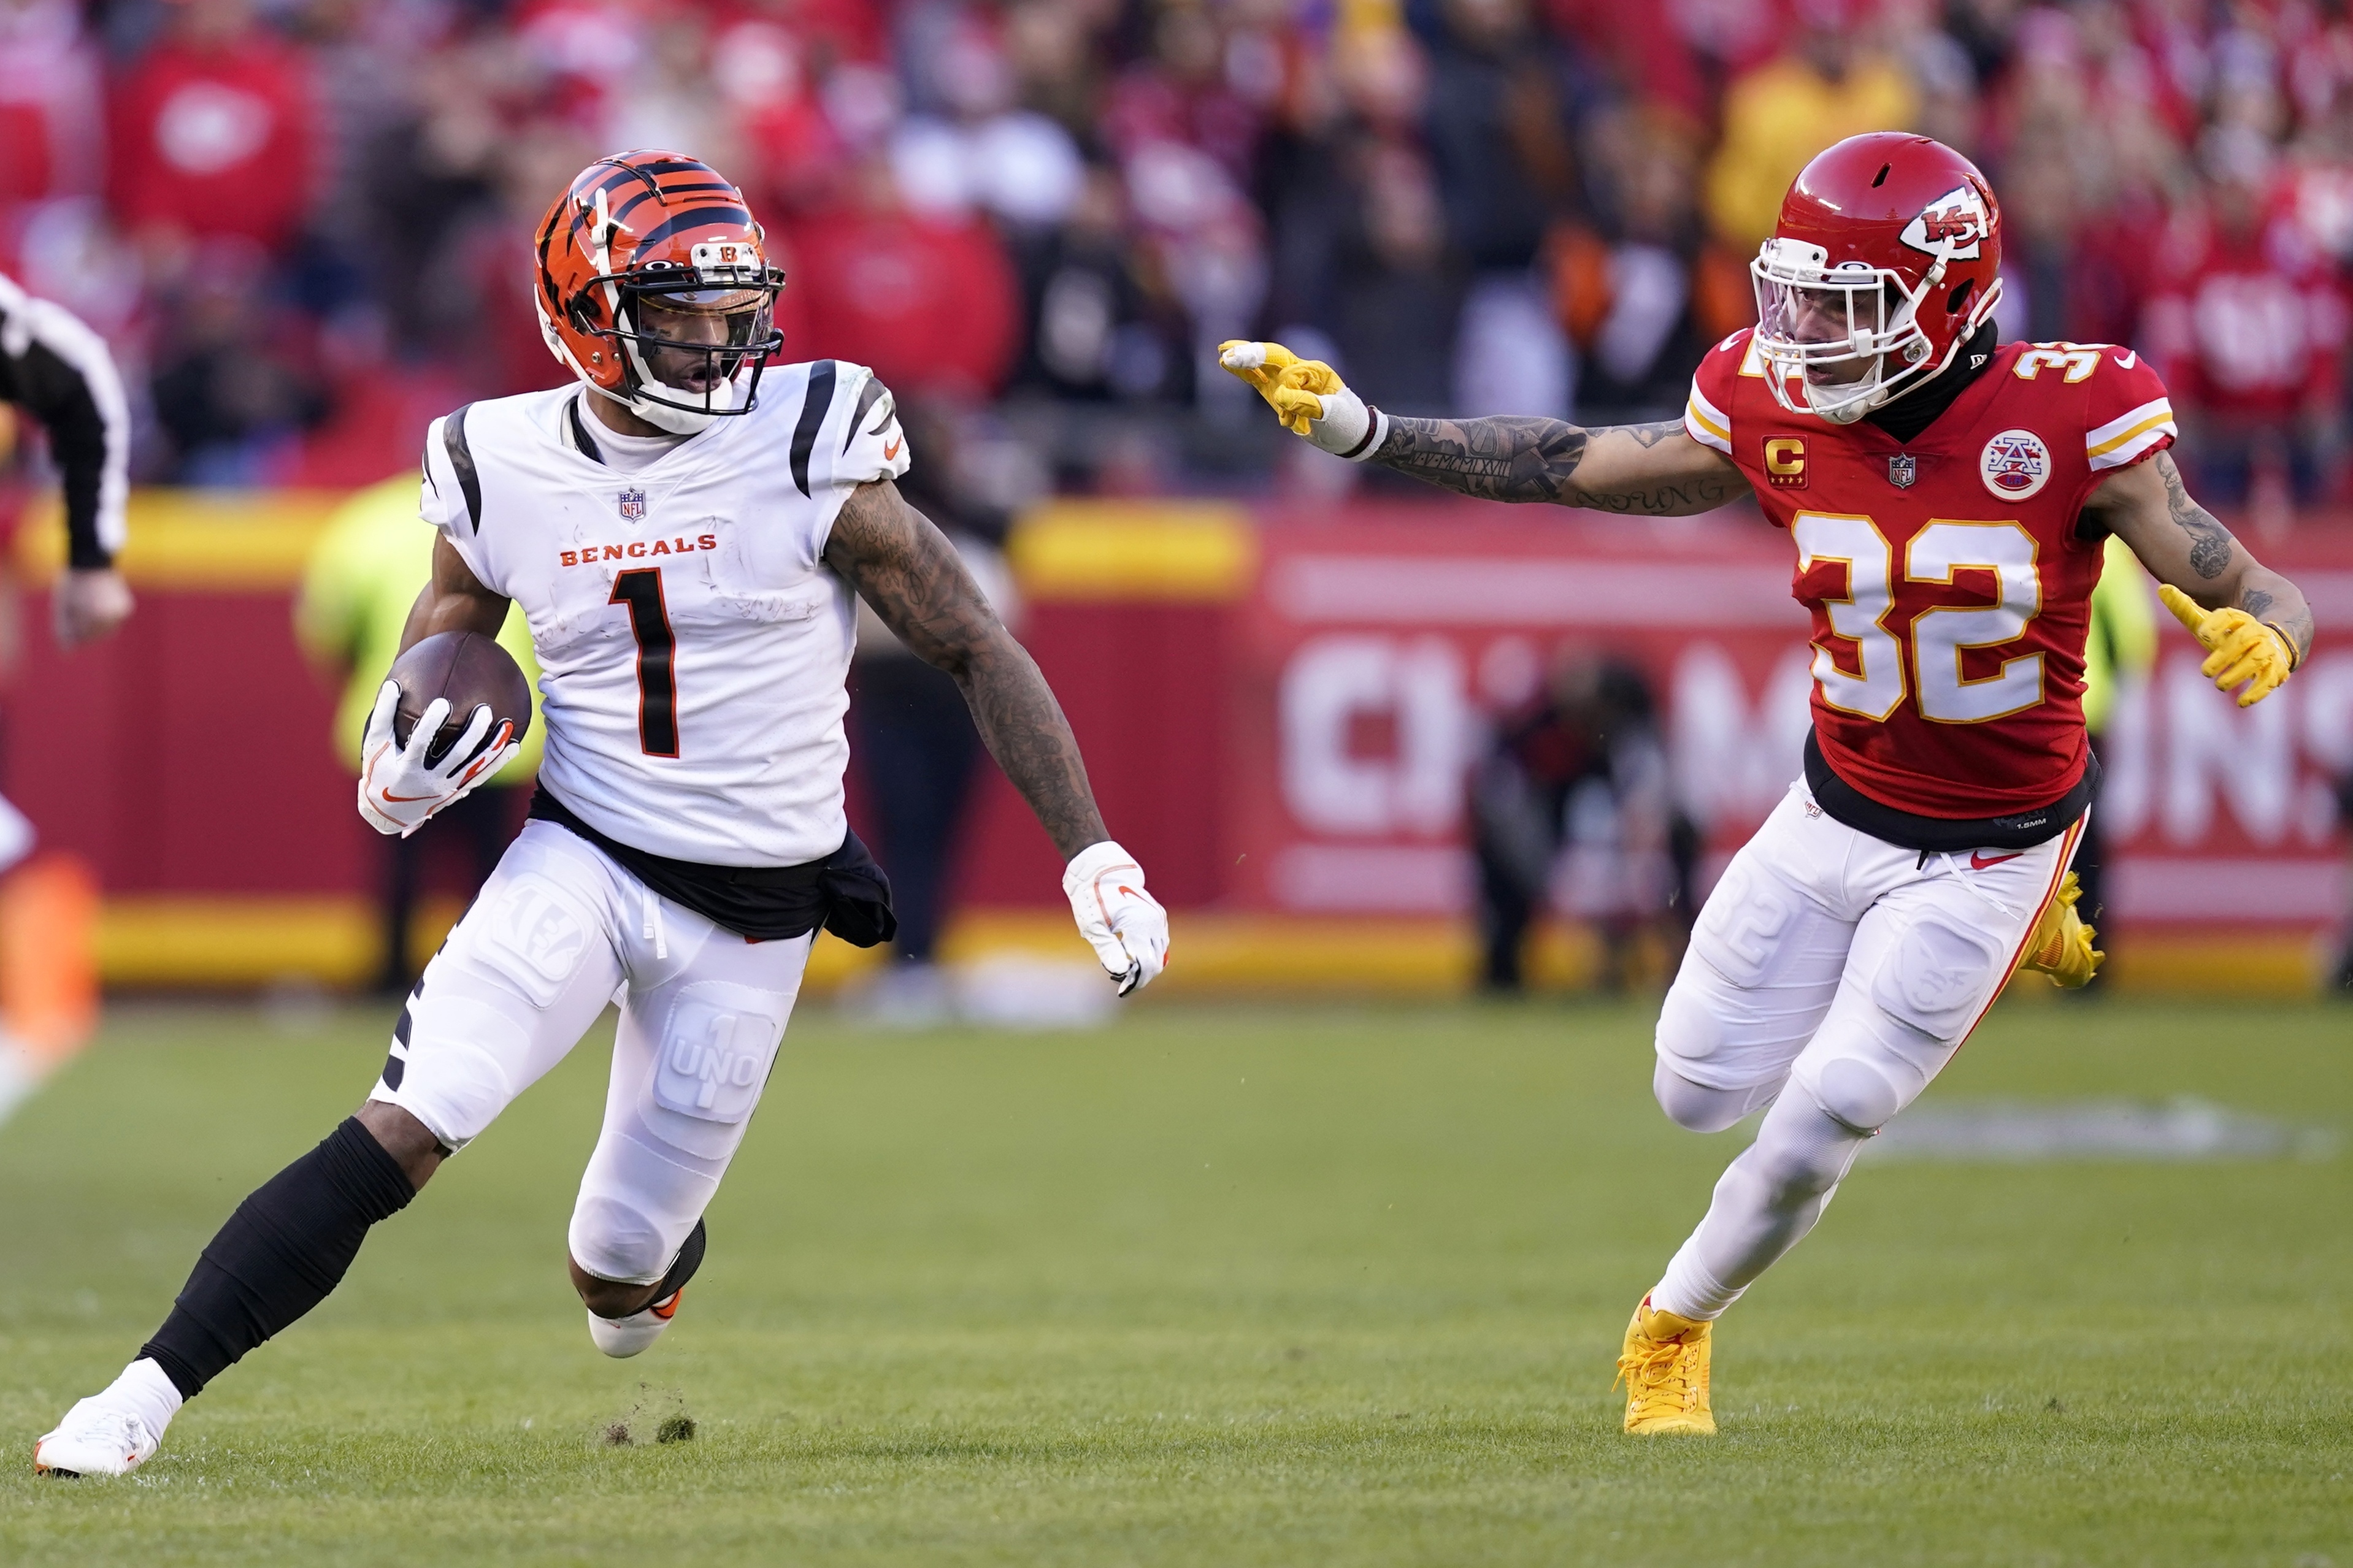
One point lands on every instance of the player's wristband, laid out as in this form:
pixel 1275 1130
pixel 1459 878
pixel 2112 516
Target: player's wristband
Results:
pixel 1377 431
pixel 2287 642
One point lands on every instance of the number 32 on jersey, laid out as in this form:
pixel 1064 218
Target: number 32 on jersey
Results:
pixel 1940 634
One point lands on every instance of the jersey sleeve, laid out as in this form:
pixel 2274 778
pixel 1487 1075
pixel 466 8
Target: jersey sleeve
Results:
pixel 1707 418
pixel 2126 415
pixel 449 495
pixel 60 371
pixel 875 448
pixel 847 435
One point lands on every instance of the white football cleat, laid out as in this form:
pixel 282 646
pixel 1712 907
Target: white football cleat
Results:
pixel 115 1430
pixel 623 1337
pixel 95 1440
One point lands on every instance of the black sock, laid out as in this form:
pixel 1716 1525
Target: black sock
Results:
pixel 682 1268
pixel 284 1249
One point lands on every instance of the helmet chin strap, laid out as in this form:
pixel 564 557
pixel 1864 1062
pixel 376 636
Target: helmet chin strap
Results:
pixel 1898 385
pixel 676 420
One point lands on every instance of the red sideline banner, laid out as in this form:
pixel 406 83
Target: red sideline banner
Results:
pixel 1372 652
pixel 1290 736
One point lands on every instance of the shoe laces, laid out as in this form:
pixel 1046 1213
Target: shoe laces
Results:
pixel 1658 1373
pixel 119 1429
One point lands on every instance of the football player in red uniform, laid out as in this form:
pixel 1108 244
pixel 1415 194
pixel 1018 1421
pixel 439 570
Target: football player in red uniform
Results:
pixel 1948 497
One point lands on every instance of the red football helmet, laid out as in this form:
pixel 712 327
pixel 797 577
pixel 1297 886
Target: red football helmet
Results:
pixel 1882 265
pixel 655 288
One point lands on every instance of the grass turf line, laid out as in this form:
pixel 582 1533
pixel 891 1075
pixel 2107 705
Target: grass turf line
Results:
pixel 1223 1285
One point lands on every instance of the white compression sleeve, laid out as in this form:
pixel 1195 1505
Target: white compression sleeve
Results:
pixel 1766 1200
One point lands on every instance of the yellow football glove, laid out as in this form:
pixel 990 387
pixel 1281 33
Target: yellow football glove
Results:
pixel 2061 947
pixel 1308 397
pixel 2238 648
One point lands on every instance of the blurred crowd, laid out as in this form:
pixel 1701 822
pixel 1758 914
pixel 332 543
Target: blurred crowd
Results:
pixel 303 223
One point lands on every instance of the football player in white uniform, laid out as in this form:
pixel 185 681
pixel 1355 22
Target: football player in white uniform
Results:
pixel 683 532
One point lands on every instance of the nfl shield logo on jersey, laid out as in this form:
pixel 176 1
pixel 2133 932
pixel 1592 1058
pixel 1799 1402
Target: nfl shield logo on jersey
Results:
pixel 633 505
pixel 1902 470
pixel 2015 464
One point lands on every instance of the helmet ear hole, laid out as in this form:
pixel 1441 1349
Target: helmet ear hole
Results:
pixel 583 312
pixel 1958 300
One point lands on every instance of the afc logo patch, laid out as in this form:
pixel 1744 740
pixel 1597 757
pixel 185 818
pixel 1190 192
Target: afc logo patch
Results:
pixel 1785 462
pixel 633 505
pixel 2015 465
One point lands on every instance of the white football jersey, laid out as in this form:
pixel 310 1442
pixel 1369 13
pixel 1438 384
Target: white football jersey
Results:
pixel 692 641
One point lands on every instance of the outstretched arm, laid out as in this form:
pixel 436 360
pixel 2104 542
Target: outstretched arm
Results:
pixel 2186 548
pixel 907 570
pixel 1656 470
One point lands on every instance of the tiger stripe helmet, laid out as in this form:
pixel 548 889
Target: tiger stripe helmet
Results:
pixel 655 288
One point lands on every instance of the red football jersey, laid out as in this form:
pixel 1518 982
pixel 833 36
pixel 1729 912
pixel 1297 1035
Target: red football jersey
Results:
pixel 1950 595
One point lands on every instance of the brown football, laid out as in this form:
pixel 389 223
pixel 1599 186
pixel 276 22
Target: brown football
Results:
pixel 470 669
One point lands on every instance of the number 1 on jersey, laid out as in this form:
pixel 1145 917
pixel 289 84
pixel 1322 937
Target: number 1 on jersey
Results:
pixel 640 589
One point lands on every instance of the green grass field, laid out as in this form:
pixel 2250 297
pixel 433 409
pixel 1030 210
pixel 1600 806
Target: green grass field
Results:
pixel 1220 1286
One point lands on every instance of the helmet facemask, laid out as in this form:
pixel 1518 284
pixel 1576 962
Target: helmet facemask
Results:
pixel 1828 334
pixel 690 342
pixel 693 340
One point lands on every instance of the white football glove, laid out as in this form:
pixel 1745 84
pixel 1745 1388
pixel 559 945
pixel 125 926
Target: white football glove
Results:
pixel 1309 398
pixel 398 791
pixel 1126 925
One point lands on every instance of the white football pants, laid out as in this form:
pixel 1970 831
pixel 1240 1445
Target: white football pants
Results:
pixel 554 933
pixel 1851 967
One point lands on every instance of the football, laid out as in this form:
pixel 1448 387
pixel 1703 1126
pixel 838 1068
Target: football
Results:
pixel 470 669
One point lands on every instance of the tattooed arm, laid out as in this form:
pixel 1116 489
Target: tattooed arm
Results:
pixel 908 571
pixel 2181 542
pixel 1654 469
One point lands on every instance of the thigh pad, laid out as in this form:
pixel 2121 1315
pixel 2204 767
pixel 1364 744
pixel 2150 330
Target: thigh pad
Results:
pixel 1940 973
pixel 718 1043
pixel 1745 922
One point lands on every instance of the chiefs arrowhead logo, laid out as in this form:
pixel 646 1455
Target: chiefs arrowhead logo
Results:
pixel 1954 225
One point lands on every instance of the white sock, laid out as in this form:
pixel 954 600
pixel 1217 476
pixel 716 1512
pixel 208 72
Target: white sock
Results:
pixel 1688 1290
pixel 1763 1205
pixel 146 1392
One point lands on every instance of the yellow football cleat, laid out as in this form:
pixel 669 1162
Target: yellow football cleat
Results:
pixel 2061 945
pixel 1664 1368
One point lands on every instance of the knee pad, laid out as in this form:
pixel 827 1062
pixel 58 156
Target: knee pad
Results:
pixel 1690 1028
pixel 1866 1064
pixel 1857 1093
pixel 613 1237
pixel 717 1045
pixel 1697 1107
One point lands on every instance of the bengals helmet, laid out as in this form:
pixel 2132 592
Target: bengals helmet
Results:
pixel 655 288
pixel 1882 265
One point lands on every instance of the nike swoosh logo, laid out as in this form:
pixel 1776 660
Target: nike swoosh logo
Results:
pixel 2127 363
pixel 890 452
pixel 1980 862
pixel 1131 892
pixel 402 799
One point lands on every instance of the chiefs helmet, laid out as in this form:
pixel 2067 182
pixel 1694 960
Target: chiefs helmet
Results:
pixel 1882 266
pixel 655 288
